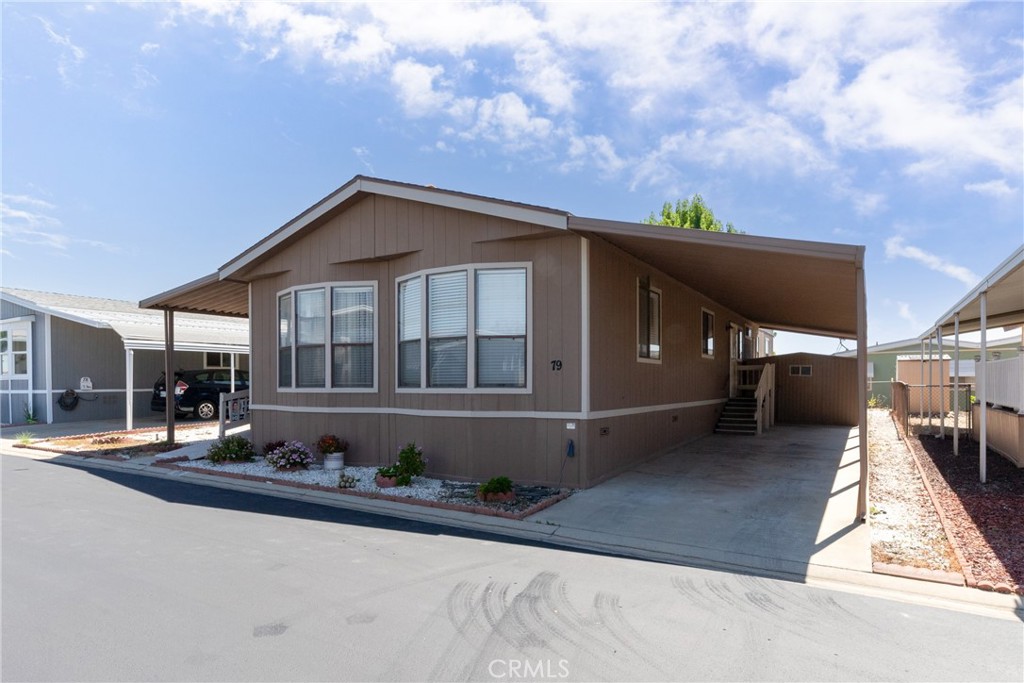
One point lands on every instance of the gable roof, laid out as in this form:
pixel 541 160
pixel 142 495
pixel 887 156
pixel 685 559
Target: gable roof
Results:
pixel 139 328
pixel 783 284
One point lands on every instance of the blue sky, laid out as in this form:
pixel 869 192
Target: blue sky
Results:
pixel 146 144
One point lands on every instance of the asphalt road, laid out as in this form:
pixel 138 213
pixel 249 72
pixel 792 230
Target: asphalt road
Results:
pixel 110 576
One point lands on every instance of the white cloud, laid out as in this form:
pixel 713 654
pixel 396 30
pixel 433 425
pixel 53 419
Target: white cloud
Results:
pixel 24 223
pixel 896 247
pixel 144 78
pixel 363 154
pixel 149 48
pixel 71 55
pixel 993 188
pixel 415 85
pixel 800 89
pixel 506 119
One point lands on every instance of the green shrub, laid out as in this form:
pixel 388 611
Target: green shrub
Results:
pixel 231 449
pixel 496 485
pixel 411 463
pixel 876 401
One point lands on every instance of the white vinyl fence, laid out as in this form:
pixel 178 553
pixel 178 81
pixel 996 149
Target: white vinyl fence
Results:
pixel 1005 383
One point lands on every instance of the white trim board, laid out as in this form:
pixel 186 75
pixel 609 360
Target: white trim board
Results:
pixel 485 414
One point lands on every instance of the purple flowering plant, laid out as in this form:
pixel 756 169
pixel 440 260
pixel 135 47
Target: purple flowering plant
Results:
pixel 291 454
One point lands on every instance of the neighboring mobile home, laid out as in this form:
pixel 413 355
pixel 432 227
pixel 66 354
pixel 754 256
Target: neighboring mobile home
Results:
pixel 509 339
pixel 106 353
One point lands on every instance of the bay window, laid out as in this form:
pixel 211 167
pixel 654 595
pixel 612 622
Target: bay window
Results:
pixel 474 320
pixel 320 351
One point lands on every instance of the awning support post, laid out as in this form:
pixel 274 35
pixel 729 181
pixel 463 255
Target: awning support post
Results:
pixel 129 394
pixel 956 384
pixel 862 393
pixel 942 386
pixel 982 380
pixel 169 382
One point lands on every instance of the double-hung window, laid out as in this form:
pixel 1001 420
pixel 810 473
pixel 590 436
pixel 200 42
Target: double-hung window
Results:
pixel 14 350
pixel 648 330
pixel 327 337
pixel 464 329
pixel 707 333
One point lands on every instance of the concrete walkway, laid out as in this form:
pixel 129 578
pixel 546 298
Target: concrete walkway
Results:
pixel 779 502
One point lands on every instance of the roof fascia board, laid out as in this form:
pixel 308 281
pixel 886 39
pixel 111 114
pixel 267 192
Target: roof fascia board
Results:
pixel 372 186
pixel 807 330
pixel 559 221
pixel 841 252
pixel 1013 262
pixel 25 303
pixel 153 345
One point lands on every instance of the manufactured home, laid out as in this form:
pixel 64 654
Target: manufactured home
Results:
pixel 518 340
pixel 66 358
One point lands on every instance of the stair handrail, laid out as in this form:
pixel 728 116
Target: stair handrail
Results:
pixel 764 398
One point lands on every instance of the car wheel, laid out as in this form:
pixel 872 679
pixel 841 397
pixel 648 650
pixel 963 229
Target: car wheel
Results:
pixel 206 410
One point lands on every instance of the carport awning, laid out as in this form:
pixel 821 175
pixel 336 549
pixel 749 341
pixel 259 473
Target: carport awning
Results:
pixel 208 294
pixel 782 284
pixel 1004 290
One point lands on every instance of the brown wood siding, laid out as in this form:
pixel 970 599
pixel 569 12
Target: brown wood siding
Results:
pixel 443 237
pixel 381 239
pixel 828 396
pixel 633 439
pixel 524 449
pixel 618 379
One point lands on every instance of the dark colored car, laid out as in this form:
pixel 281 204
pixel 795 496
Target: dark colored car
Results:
pixel 197 392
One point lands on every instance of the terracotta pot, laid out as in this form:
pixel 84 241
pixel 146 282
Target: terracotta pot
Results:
pixel 385 482
pixel 496 497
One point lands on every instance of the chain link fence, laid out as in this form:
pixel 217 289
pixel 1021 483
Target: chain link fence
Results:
pixel 924 408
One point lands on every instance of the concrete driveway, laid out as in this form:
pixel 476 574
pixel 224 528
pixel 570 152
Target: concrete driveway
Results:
pixel 778 502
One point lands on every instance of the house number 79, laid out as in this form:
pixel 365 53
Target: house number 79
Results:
pixel 556 365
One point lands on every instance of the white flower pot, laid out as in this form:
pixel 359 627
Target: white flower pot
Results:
pixel 334 461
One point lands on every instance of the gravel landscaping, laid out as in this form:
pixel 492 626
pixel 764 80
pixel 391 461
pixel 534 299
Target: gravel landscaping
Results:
pixel 972 528
pixel 451 494
pixel 905 528
pixel 985 520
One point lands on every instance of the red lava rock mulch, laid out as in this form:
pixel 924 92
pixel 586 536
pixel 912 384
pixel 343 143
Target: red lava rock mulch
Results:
pixel 985 520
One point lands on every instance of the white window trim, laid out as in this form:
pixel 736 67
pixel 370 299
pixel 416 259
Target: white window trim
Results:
pixel 9 326
pixel 207 366
pixel 470 270
pixel 328 344
pixel 714 340
pixel 661 326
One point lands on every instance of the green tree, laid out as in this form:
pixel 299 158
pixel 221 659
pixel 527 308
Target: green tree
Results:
pixel 693 214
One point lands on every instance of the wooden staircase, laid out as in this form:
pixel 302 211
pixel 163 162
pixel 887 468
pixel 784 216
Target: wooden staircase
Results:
pixel 752 410
pixel 738 417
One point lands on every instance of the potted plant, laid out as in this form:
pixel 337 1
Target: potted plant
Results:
pixel 293 455
pixel 496 490
pixel 333 449
pixel 386 477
